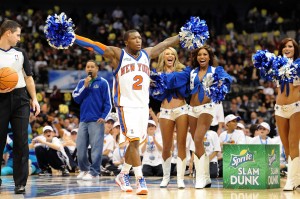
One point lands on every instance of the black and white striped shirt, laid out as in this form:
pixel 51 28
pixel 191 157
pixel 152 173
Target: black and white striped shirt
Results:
pixel 17 59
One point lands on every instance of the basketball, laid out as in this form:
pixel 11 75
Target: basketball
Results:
pixel 8 78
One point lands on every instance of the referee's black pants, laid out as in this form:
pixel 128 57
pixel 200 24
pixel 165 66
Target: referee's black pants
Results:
pixel 15 109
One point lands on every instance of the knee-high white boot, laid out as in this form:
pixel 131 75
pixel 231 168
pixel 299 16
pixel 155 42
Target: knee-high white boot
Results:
pixel 202 168
pixel 181 166
pixel 207 171
pixel 292 174
pixel 297 159
pixel 166 165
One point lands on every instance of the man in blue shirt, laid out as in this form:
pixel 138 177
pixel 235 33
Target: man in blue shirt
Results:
pixel 93 95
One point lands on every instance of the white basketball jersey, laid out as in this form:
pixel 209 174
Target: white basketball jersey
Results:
pixel 132 80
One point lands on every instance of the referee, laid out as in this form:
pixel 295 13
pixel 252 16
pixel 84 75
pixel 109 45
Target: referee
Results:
pixel 15 103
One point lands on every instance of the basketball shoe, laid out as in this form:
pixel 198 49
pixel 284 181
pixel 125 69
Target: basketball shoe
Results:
pixel 141 187
pixel 123 181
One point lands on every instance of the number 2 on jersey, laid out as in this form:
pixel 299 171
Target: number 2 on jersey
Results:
pixel 138 81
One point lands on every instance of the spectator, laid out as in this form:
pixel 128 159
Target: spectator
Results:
pixel 152 152
pixel 253 130
pixel 109 122
pixel 117 13
pixel 7 169
pixel 262 137
pixel 218 119
pixel 283 162
pixel 230 136
pixel 212 147
pixel 118 156
pixel 241 126
pixel 50 152
pixel 254 118
pixel 55 98
pixel 69 143
pixel 108 148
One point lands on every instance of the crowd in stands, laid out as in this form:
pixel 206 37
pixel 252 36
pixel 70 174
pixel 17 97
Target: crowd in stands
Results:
pixel 251 99
pixel 232 47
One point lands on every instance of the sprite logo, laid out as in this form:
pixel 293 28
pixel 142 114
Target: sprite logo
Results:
pixel 272 157
pixel 245 156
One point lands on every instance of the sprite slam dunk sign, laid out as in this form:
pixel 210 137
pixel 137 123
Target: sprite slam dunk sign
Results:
pixel 255 166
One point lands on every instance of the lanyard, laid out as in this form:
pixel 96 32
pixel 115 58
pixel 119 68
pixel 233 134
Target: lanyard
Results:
pixel 227 138
pixel 206 138
pixel 151 144
pixel 121 156
pixel 283 153
pixel 262 141
pixel 206 142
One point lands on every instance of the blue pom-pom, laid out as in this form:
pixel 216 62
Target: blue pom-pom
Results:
pixel 284 70
pixel 296 64
pixel 263 60
pixel 218 92
pixel 59 31
pixel 157 85
pixel 193 34
pixel 217 85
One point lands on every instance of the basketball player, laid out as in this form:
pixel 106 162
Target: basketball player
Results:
pixel 15 103
pixel 131 96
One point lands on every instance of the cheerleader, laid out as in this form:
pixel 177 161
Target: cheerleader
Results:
pixel 285 70
pixel 208 85
pixel 173 113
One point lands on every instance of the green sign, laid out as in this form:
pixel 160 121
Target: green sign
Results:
pixel 251 166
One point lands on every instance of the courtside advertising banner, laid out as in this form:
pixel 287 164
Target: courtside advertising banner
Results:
pixel 255 166
pixel 68 79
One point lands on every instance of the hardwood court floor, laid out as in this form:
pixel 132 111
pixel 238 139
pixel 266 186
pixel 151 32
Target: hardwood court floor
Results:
pixel 57 187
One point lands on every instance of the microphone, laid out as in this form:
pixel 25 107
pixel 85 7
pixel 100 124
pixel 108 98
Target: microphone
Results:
pixel 90 75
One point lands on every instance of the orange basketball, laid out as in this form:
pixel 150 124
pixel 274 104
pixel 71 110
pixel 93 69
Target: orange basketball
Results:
pixel 8 78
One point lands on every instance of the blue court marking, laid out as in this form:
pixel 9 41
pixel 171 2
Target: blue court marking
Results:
pixel 38 186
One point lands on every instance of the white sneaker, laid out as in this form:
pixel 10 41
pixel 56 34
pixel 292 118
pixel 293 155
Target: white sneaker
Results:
pixel 123 181
pixel 83 183
pixel 90 177
pixel 81 174
pixel 141 187
pixel 180 184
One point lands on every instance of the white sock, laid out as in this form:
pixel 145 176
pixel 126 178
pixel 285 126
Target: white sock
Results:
pixel 138 172
pixel 126 168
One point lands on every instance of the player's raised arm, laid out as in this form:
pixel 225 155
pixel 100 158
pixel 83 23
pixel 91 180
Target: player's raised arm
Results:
pixel 59 31
pixel 153 52
pixel 109 52
pixel 192 35
pixel 90 44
